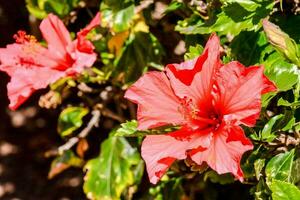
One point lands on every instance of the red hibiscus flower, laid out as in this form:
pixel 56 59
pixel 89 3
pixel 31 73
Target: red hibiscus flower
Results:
pixel 32 66
pixel 208 100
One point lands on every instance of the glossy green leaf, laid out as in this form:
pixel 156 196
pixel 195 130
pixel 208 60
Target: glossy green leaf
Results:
pixel 193 52
pixel 117 14
pixel 284 74
pixel 248 47
pixel 123 18
pixel 266 133
pixel 282 102
pixel 118 5
pixel 129 129
pixel 145 49
pixel 229 21
pixel 280 167
pixel 117 167
pixel 248 5
pixel 284 191
pixel 70 119
pixel 290 124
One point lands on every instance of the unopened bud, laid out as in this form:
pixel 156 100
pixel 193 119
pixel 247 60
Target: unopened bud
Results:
pixel 282 42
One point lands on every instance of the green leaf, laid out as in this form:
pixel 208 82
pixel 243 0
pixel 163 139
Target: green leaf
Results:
pixel 168 189
pixel 283 102
pixel 116 168
pixel 284 191
pixel 258 166
pixel 117 5
pixel 296 171
pixel 129 129
pixel 40 8
pixel 123 18
pixel 284 74
pixel 117 14
pixel 174 5
pixel 290 124
pixel 35 10
pixel 218 178
pixel 280 167
pixel 266 134
pixel 63 162
pixel 70 119
pixel 248 46
pixel 229 21
pixel 261 190
pixel 193 52
pixel 145 49
pixel 249 5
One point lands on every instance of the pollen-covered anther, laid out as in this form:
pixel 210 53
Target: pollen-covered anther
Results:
pixel 21 37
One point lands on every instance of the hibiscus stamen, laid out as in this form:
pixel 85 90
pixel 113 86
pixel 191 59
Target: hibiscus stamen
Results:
pixel 21 37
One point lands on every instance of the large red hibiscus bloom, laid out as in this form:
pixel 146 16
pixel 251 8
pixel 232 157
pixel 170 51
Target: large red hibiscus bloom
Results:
pixel 32 66
pixel 209 101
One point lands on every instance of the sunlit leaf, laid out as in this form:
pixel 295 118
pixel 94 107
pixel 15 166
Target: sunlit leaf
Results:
pixel 145 49
pixel 113 171
pixel 70 119
pixel 284 191
pixel 193 52
pixel 229 21
pixel 284 74
pixel 280 167
pixel 266 133
pixel 128 129
pixel 40 8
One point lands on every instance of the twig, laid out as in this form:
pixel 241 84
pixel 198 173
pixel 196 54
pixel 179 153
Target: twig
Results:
pixel 74 140
pixel 144 4
pixel 108 113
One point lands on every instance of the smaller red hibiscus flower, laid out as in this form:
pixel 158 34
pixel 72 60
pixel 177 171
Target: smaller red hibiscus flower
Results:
pixel 32 66
pixel 209 101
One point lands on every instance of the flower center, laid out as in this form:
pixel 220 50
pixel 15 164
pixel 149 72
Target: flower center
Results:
pixel 199 118
pixel 21 37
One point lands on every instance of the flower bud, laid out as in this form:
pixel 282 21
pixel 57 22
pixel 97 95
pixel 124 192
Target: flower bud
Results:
pixel 282 42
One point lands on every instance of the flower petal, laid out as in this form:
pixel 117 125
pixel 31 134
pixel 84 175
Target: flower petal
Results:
pixel 239 92
pixel 225 151
pixel 160 151
pixel 94 23
pixel 29 67
pixel 83 44
pixel 56 35
pixel 197 83
pixel 24 81
pixel 157 103
pixel 207 62
pixel 202 77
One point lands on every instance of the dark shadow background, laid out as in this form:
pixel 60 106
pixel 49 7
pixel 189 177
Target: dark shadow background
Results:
pixel 25 135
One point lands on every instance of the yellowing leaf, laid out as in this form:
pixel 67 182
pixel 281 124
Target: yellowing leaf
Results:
pixel 116 43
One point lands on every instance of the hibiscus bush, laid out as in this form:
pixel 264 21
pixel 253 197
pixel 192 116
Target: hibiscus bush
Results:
pixel 167 99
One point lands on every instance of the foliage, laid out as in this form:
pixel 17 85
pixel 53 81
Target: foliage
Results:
pixel 139 36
